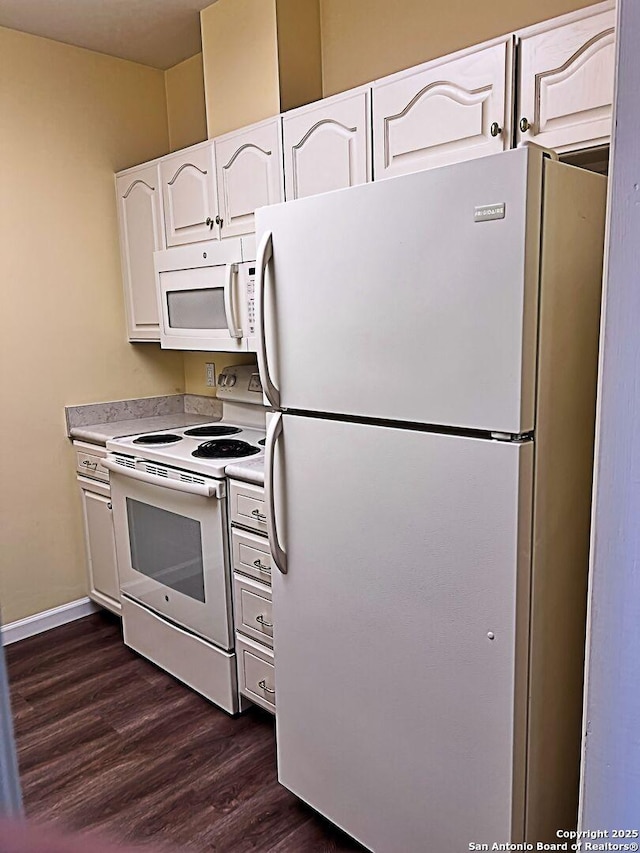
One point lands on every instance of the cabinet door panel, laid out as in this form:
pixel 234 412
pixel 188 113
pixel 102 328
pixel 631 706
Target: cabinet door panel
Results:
pixel 443 112
pixel 249 171
pixel 326 146
pixel 140 220
pixel 189 195
pixel 566 83
pixel 101 546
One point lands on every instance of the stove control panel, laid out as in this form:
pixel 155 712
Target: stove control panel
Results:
pixel 240 382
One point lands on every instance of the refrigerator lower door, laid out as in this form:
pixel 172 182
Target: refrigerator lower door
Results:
pixel 401 631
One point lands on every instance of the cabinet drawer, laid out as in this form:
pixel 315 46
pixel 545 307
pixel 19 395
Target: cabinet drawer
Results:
pixel 256 673
pixel 252 609
pixel 248 506
pixel 251 555
pixel 89 461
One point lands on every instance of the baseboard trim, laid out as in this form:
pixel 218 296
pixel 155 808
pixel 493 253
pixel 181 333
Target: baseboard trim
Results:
pixel 39 622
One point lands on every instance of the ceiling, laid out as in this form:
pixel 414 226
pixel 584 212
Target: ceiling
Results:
pixel 159 33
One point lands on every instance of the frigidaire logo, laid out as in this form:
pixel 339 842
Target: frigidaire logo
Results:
pixel 486 212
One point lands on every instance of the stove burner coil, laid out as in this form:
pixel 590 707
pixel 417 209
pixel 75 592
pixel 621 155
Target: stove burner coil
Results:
pixel 212 430
pixel 225 449
pixel 163 438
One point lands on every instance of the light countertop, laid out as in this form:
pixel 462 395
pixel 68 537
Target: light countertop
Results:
pixel 102 432
pixel 249 470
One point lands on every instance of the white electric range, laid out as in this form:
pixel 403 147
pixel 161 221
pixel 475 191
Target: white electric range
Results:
pixel 168 491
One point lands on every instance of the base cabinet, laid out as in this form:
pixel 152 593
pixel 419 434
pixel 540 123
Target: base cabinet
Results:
pixel 99 535
pixel 100 544
pixel 251 561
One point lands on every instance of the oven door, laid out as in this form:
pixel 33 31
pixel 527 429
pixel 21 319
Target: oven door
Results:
pixel 171 545
pixel 202 309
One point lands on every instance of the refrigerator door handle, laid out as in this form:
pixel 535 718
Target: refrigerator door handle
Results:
pixel 232 274
pixel 265 254
pixel 274 432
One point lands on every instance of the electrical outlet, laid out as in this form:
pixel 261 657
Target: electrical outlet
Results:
pixel 211 375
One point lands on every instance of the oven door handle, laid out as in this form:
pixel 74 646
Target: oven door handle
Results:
pixel 231 277
pixel 274 432
pixel 215 490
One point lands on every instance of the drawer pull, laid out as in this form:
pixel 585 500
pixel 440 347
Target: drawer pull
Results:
pixel 263 686
pixel 263 621
pixel 262 568
pixel 259 515
pixel 93 465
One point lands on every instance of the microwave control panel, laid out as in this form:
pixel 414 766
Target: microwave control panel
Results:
pixel 251 300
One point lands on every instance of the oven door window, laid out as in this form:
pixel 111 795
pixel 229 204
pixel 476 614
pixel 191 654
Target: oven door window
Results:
pixel 167 547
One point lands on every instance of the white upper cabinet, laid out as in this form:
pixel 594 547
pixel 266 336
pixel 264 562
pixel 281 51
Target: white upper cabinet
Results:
pixel 452 109
pixel 141 234
pixel 327 144
pixel 249 172
pixel 566 81
pixel 189 195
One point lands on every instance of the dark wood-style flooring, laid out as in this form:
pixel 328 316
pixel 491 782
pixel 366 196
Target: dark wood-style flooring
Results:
pixel 110 743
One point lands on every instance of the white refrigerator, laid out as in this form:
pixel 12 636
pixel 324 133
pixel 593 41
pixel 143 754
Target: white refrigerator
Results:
pixel 429 344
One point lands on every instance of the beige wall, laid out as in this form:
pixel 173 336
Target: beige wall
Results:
pixel 299 52
pixel 69 119
pixel 195 368
pixel 239 46
pixel 366 39
pixel 186 113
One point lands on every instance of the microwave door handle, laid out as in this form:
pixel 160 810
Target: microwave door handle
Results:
pixel 265 254
pixel 274 432
pixel 206 491
pixel 231 276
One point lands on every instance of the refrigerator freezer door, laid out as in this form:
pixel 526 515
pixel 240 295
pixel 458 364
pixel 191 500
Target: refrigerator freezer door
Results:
pixel 401 631
pixel 417 289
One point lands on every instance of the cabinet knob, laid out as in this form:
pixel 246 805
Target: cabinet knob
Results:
pixel 524 125
pixel 496 130
pixel 219 220
pixel 109 505
pixel 209 221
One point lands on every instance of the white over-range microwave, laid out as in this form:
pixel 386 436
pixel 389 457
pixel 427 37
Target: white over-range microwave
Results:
pixel 206 296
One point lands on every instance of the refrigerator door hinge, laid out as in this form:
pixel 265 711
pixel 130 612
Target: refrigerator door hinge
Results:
pixel 513 437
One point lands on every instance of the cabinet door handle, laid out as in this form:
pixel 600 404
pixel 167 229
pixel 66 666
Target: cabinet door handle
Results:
pixel 109 505
pixel 525 125
pixel 496 130
pixel 263 686
pixel 209 221
pixel 259 515
pixel 219 220
pixel 264 622
pixel 262 568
